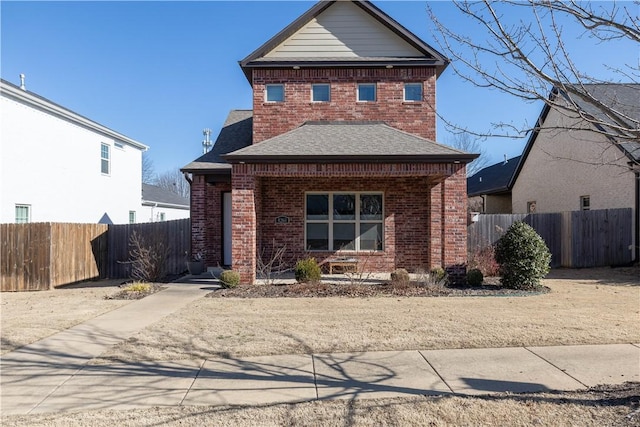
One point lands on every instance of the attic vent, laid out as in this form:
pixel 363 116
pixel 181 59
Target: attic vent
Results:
pixel 480 178
pixel 119 145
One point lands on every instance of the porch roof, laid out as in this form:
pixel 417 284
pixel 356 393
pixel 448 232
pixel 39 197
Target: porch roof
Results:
pixel 348 141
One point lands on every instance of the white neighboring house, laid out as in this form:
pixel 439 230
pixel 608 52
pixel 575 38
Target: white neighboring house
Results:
pixel 160 204
pixel 58 166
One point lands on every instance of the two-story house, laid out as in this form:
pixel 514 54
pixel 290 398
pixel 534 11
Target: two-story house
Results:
pixel 59 166
pixel 338 156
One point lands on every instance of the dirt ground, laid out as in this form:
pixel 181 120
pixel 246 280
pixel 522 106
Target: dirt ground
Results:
pixel 582 307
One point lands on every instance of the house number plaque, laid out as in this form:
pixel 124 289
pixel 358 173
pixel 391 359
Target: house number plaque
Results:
pixel 282 220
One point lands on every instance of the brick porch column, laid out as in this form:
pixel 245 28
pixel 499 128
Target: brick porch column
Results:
pixel 243 222
pixel 454 238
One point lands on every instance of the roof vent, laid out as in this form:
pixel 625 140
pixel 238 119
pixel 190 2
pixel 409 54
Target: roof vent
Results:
pixel 22 86
pixel 505 159
pixel 480 178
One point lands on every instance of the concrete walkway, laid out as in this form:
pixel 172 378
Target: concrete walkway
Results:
pixel 52 375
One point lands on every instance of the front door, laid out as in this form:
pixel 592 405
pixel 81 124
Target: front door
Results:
pixel 226 228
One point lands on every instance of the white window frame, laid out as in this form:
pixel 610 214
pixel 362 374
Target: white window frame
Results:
pixel 585 206
pixel 104 159
pixel 21 219
pixel 320 100
pixel 132 217
pixel 357 221
pixel 375 92
pixel 266 93
pixel 419 85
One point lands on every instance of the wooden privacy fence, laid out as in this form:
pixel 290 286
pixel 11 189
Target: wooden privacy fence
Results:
pixel 578 239
pixel 42 256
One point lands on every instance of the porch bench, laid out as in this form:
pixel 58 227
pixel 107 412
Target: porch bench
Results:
pixel 346 264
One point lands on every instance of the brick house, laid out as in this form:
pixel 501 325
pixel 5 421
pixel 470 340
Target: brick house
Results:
pixel 338 156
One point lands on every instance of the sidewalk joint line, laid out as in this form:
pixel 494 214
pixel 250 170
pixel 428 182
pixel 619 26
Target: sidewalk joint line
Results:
pixel 555 366
pixel 315 379
pixel 57 387
pixel 437 373
pixel 192 382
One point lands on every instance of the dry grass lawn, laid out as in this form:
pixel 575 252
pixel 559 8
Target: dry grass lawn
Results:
pixel 587 310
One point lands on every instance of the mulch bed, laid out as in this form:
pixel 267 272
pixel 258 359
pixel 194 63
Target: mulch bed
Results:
pixel 130 295
pixel 348 290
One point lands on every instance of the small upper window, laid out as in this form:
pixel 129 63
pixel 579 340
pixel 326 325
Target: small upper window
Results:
pixel 413 92
pixel 23 214
pixel 585 203
pixel 132 217
pixel 104 159
pixel 367 92
pixel 274 93
pixel 321 93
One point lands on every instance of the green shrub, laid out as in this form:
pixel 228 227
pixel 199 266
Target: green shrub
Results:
pixel 307 271
pixel 400 275
pixel 230 278
pixel 137 287
pixel 438 274
pixel 475 277
pixel 523 257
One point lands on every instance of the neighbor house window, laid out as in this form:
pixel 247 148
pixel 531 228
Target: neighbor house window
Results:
pixel 321 93
pixel 344 221
pixel 413 92
pixel 585 203
pixel 531 207
pixel 366 92
pixel 161 216
pixel 23 214
pixel 274 93
pixel 105 157
pixel 132 217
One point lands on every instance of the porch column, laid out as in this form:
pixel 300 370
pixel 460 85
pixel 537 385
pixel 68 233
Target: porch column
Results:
pixel 454 238
pixel 243 222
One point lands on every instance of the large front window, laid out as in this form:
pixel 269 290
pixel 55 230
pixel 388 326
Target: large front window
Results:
pixel 344 221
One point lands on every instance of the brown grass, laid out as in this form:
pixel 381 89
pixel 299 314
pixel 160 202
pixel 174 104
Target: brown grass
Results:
pixel 582 311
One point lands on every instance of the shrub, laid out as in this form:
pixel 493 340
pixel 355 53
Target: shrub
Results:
pixel 137 287
pixel 148 257
pixel 307 271
pixel 230 278
pixel 438 274
pixel 523 257
pixel 484 259
pixel 400 275
pixel 475 277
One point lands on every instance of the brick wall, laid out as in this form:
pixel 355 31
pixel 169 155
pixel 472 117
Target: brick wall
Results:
pixel 272 119
pixel 206 219
pixel 425 214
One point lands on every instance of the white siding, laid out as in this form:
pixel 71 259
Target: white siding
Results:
pixel 153 213
pixel 343 30
pixel 53 165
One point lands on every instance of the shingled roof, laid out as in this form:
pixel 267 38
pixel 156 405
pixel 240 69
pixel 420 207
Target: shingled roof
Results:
pixel 154 194
pixel 493 179
pixel 347 141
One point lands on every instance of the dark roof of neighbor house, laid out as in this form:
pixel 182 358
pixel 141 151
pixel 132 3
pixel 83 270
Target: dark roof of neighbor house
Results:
pixel 236 133
pixel 431 56
pixel 162 196
pixel 347 141
pixel 493 179
pixel 624 97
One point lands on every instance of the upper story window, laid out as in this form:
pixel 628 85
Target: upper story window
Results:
pixel 105 158
pixel 274 93
pixel 413 92
pixel 23 214
pixel 585 203
pixel 320 93
pixel 366 92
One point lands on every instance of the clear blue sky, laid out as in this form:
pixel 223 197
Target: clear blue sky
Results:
pixel 160 72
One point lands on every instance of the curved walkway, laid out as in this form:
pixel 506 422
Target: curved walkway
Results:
pixel 53 374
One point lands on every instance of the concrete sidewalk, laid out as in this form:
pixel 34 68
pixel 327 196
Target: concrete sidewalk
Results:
pixel 52 375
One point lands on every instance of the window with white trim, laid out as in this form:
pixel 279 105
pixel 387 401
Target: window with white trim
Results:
pixel 274 93
pixel 320 92
pixel 23 214
pixel 366 92
pixel 347 221
pixel 132 217
pixel 413 92
pixel 105 159
pixel 585 203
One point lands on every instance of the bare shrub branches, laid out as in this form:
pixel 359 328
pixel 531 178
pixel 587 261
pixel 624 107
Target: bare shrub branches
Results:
pixel 147 257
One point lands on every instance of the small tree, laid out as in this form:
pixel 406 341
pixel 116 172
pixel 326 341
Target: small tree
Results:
pixel 148 257
pixel 523 257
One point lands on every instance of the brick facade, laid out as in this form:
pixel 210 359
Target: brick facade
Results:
pixel 206 219
pixel 424 213
pixel 274 118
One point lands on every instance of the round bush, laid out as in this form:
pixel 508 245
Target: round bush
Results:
pixel 523 257
pixel 475 277
pixel 307 271
pixel 400 275
pixel 230 278
pixel 438 273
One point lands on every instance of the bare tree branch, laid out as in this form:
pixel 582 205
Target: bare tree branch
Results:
pixel 174 180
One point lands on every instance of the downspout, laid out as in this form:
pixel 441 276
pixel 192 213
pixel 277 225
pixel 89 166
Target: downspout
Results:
pixel 637 217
